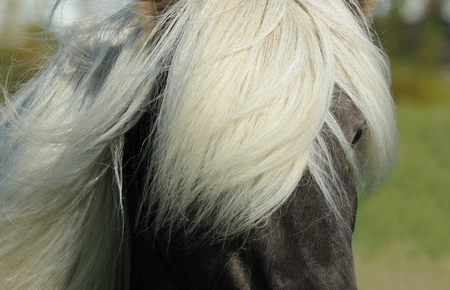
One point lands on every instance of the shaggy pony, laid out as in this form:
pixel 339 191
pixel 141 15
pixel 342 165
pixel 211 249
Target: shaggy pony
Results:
pixel 242 93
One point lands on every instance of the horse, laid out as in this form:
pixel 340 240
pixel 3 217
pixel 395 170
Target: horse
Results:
pixel 196 144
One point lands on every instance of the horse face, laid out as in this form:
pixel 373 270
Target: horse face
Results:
pixel 301 246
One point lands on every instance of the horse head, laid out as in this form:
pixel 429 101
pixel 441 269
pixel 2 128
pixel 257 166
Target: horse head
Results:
pixel 196 144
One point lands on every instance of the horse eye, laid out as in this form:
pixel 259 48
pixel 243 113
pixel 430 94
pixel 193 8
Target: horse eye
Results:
pixel 358 136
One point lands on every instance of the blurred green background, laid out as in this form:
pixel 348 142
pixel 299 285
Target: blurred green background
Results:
pixel 402 238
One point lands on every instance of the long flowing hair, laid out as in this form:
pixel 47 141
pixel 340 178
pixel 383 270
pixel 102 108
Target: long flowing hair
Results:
pixel 247 90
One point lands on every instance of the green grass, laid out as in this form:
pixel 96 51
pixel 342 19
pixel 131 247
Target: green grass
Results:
pixel 407 223
pixel 414 204
pixel 396 268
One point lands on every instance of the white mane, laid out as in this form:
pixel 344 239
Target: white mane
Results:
pixel 249 89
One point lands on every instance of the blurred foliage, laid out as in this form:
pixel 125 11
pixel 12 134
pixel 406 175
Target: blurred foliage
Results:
pixel 21 60
pixel 416 53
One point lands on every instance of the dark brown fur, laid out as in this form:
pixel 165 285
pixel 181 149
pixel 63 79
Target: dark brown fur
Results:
pixel 302 246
